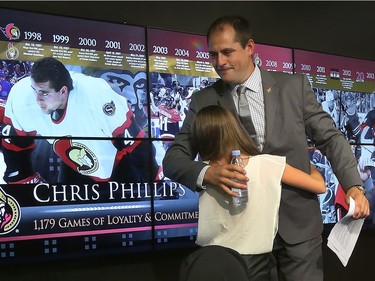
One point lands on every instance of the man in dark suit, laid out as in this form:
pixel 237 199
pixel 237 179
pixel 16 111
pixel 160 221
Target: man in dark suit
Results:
pixel 284 110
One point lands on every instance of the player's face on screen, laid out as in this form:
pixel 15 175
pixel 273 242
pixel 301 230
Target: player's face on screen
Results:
pixel 49 99
pixel 231 61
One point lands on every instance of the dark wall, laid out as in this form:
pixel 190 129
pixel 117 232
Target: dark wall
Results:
pixel 342 28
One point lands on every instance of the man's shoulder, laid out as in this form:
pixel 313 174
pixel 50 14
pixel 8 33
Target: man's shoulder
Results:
pixel 282 79
pixel 86 84
pixel 80 77
pixel 279 75
pixel 22 91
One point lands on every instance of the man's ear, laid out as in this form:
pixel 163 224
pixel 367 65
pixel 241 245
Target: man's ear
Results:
pixel 64 90
pixel 250 46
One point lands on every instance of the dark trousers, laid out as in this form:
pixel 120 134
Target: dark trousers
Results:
pixel 298 262
pixel 214 263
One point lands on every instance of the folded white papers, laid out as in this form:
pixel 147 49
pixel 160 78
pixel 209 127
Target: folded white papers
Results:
pixel 344 235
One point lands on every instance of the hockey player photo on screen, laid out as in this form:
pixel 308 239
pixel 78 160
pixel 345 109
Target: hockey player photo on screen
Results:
pixel 91 128
pixel 170 96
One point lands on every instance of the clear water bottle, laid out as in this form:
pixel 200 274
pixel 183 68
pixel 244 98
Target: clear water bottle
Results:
pixel 242 193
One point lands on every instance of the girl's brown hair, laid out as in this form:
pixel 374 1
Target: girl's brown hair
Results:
pixel 217 132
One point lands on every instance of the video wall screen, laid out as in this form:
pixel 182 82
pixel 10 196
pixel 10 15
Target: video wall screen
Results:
pixel 76 162
pixel 274 58
pixel 179 66
pixel 345 87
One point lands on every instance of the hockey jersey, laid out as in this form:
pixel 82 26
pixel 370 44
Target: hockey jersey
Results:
pixel 94 113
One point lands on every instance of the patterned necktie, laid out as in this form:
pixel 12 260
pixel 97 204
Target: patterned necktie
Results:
pixel 244 113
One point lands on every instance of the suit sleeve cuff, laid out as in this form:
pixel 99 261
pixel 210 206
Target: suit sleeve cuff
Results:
pixel 200 179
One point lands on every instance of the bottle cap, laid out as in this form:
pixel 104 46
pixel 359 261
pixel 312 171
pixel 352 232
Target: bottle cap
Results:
pixel 236 152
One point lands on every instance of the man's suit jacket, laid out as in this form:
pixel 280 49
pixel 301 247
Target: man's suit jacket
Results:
pixel 291 113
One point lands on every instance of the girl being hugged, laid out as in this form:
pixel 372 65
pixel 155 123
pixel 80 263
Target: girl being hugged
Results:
pixel 250 228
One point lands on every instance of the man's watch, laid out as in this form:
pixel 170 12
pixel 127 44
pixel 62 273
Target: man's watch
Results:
pixel 361 188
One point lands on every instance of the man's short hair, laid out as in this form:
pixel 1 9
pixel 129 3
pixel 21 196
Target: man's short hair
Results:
pixel 52 71
pixel 240 25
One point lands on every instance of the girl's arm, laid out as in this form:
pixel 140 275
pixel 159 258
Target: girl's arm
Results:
pixel 313 182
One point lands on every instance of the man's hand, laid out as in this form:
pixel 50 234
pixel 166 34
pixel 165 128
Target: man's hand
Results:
pixel 222 175
pixel 362 206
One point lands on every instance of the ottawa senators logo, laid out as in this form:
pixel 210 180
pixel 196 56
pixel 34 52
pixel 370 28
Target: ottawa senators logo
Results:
pixel 11 31
pixel 77 156
pixel 12 52
pixel 257 60
pixel 109 108
pixel 10 213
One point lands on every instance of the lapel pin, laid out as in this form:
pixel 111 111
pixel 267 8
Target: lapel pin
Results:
pixel 269 90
